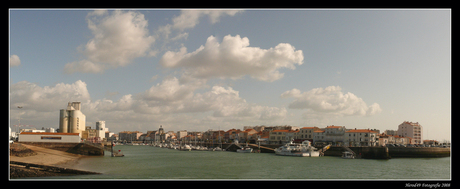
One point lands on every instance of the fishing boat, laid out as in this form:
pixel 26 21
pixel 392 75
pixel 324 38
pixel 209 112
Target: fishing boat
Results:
pixel 302 150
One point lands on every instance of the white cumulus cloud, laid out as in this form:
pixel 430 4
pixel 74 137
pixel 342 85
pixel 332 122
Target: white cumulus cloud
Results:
pixel 331 100
pixel 189 17
pixel 234 58
pixel 48 98
pixel 118 38
pixel 14 60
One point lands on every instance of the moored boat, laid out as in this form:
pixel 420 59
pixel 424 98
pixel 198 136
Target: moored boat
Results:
pixel 185 148
pixel 244 150
pixel 302 150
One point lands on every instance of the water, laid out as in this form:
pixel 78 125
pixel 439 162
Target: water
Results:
pixel 146 162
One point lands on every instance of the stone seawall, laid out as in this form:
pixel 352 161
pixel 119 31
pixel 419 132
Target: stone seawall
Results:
pixel 75 148
pixel 413 152
pixel 393 152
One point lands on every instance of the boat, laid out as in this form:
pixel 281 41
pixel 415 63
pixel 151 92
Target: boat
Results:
pixel 244 150
pixel 217 149
pixel 117 154
pixel 348 155
pixel 302 150
pixel 185 148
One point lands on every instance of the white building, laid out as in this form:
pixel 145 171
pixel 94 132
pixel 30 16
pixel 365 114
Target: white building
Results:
pixel 361 137
pixel 101 130
pixel 306 133
pixel 413 130
pixel 49 137
pixel 181 134
pixel 72 120
pixel 334 134
pixel 319 136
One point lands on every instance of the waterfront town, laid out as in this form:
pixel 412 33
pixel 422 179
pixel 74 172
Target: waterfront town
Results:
pixel 44 149
pixel 72 128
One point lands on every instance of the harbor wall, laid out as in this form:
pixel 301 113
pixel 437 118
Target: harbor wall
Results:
pixel 412 152
pixel 395 152
pixel 75 148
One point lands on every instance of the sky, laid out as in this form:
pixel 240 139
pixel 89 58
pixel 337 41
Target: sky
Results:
pixel 201 69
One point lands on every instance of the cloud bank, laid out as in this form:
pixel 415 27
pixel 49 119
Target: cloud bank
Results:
pixel 234 58
pixel 48 98
pixel 168 102
pixel 331 100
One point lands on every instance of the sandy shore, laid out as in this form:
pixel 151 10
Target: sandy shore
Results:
pixel 43 156
pixel 47 156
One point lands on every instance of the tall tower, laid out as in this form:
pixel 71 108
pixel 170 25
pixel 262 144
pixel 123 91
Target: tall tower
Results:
pixel 72 120
pixel 100 129
pixel 160 130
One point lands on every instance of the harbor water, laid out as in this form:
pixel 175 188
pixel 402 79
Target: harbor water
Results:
pixel 146 162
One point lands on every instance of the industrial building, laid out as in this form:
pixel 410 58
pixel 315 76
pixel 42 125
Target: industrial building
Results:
pixel 72 120
pixel 49 137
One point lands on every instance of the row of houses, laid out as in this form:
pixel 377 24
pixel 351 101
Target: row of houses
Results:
pixel 335 135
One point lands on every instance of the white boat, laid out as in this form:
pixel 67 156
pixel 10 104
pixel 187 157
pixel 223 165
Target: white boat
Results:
pixel 218 149
pixel 348 155
pixel 244 150
pixel 185 148
pixel 302 150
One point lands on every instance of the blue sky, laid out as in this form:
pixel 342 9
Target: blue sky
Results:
pixel 210 69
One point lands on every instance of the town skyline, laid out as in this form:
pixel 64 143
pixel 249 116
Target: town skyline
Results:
pixel 206 69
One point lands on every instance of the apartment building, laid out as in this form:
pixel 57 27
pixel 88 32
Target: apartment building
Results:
pixel 334 134
pixel 319 136
pixel 306 133
pixel 281 136
pixel 129 135
pixel 361 137
pixel 412 130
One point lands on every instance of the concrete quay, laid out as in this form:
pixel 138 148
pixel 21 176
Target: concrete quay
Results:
pixel 391 152
pixel 365 152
